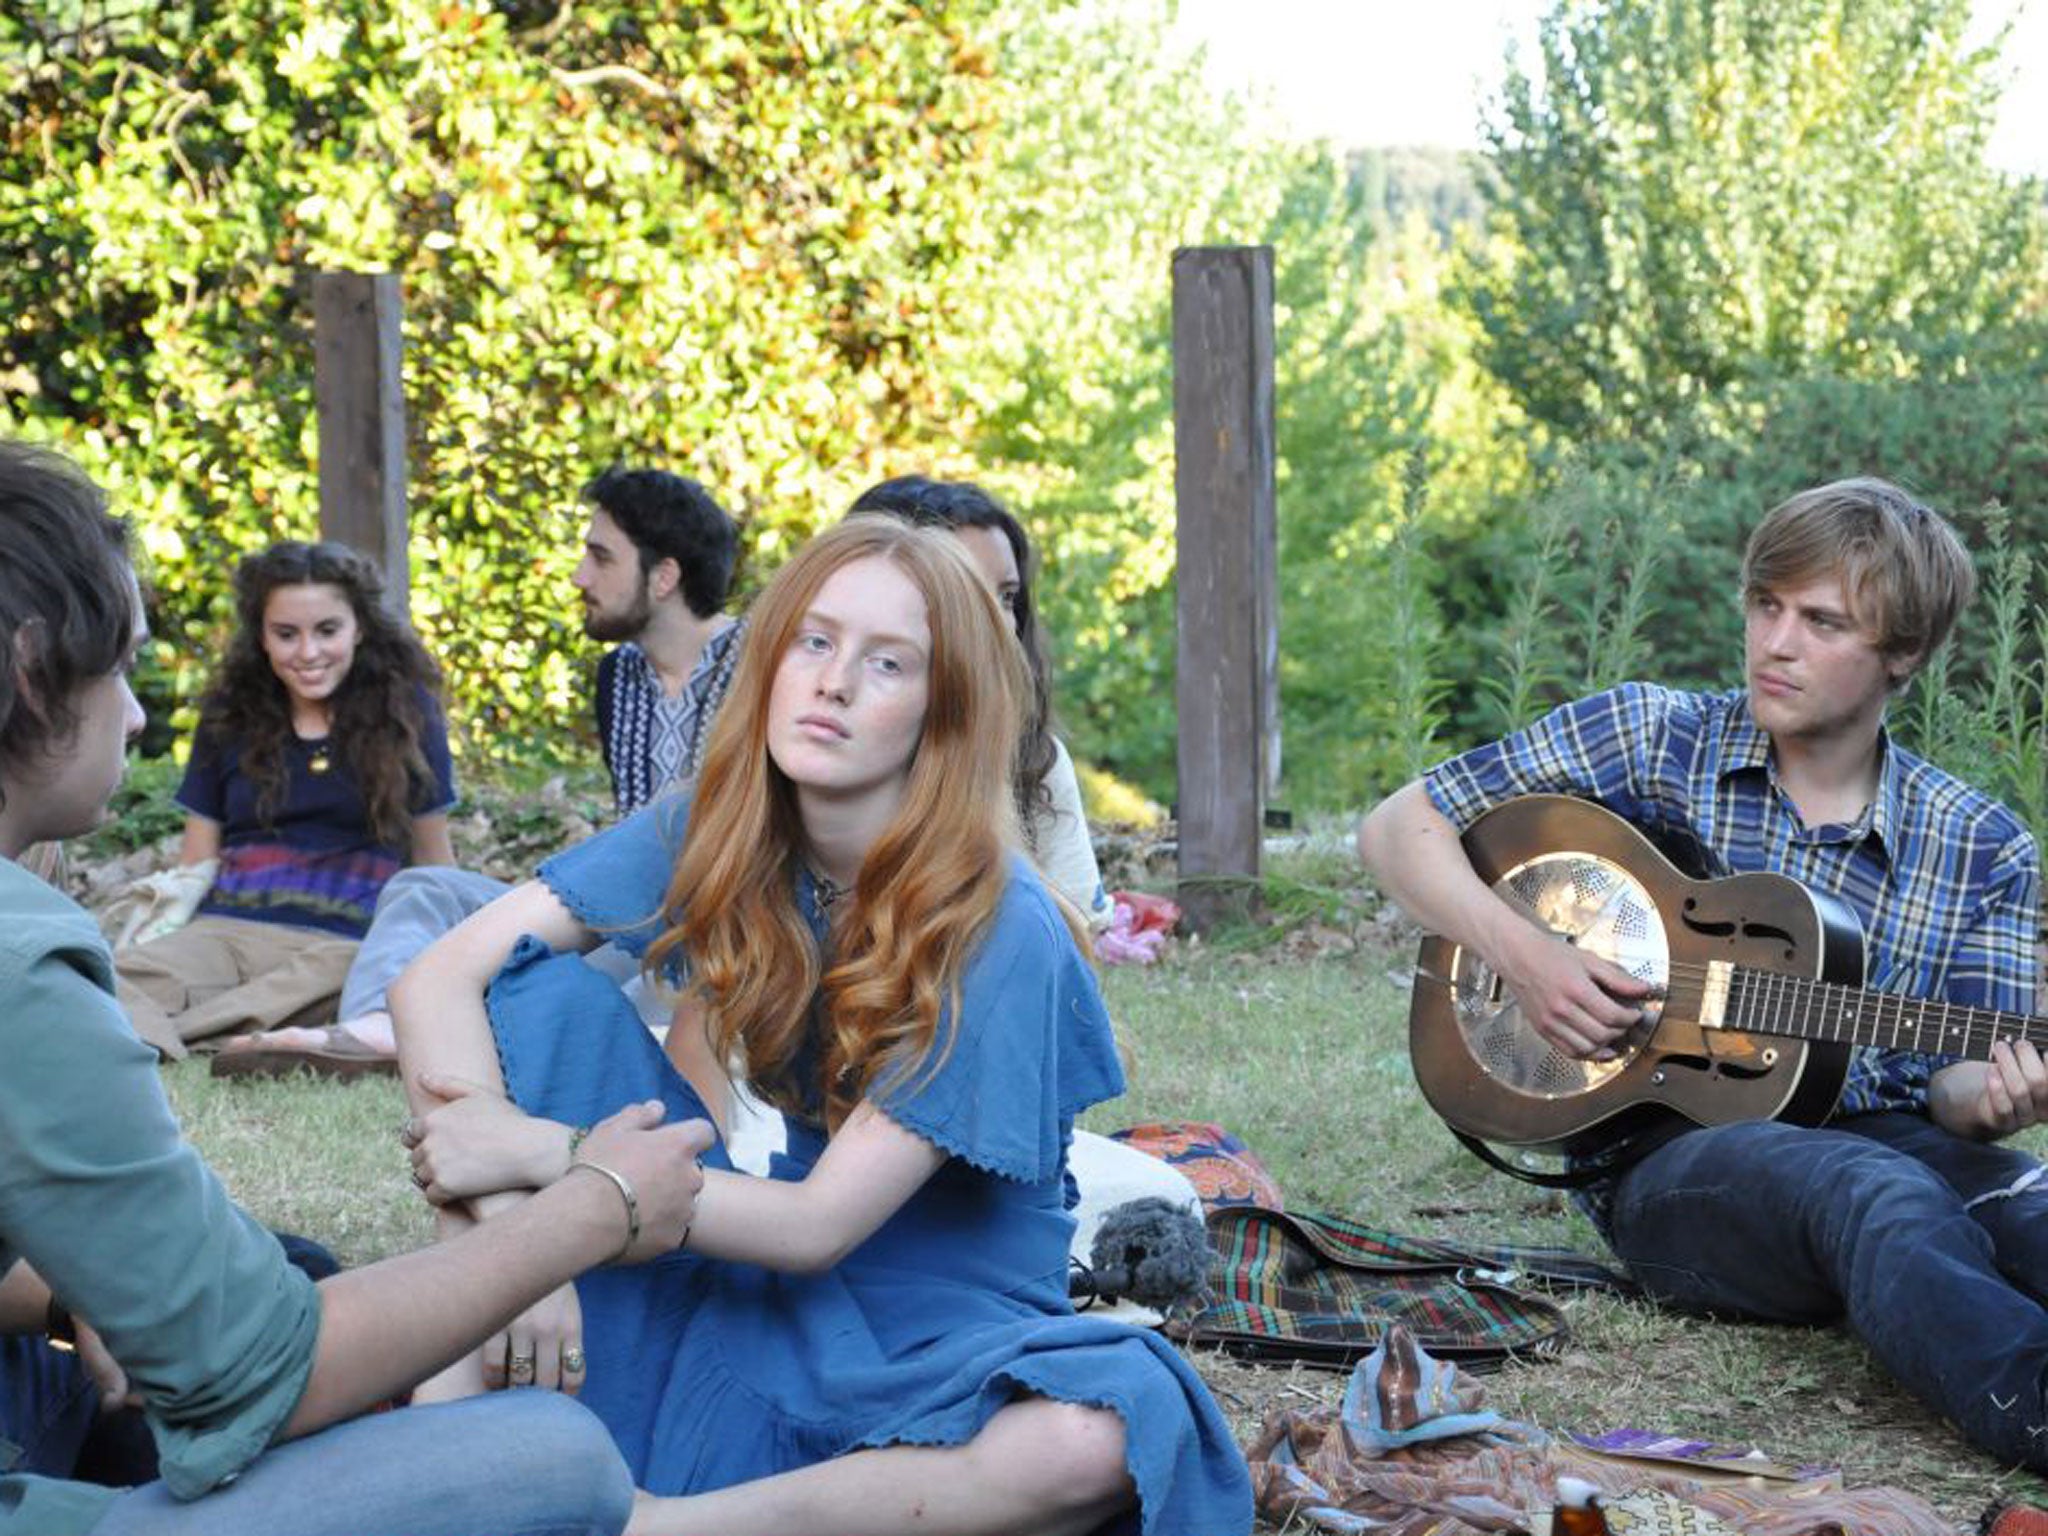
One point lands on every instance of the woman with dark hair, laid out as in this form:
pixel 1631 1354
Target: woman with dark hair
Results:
pixel 876 1337
pixel 320 768
pixel 1047 790
pixel 127 1272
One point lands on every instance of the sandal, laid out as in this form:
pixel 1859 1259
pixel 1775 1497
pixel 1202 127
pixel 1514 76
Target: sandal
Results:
pixel 329 1051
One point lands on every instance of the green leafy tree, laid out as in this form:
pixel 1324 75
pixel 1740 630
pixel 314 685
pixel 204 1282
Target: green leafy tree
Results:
pixel 725 237
pixel 1113 154
pixel 1693 192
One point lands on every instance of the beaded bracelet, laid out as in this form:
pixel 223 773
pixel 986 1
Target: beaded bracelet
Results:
pixel 576 1136
pixel 625 1193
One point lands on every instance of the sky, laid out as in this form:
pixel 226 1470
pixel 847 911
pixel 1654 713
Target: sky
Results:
pixel 1370 72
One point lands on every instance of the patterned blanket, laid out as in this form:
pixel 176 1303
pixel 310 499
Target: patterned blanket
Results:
pixel 1413 1451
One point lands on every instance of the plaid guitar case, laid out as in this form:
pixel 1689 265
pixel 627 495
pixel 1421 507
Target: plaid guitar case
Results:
pixel 1324 1290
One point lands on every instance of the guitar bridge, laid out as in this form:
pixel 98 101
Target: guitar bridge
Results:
pixel 1714 994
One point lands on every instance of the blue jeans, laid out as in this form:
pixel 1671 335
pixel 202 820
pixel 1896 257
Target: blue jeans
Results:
pixel 524 1463
pixel 1869 1221
pixel 48 1404
pixel 417 906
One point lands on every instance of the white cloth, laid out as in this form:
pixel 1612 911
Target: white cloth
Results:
pixel 153 905
pixel 1107 1172
pixel 1060 846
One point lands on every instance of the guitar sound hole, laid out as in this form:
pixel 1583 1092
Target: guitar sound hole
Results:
pixel 1769 932
pixel 1743 1071
pixel 1593 904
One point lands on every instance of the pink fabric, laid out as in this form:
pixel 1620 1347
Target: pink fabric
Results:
pixel 1123 942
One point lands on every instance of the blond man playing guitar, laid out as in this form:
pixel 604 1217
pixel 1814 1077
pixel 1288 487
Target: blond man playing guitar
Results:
pixel 1902 1201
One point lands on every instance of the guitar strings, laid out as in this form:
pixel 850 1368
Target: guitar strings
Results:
pixel 1765 988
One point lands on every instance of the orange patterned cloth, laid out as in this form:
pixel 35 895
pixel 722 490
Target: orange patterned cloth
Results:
pixel 1222 1168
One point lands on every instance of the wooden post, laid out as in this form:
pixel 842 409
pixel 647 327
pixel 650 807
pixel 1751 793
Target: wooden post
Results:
pixel 1225 605
pixel 360 399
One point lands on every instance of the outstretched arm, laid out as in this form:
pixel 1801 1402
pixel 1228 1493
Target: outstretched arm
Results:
pixel 868 1170
pixel 1578 1002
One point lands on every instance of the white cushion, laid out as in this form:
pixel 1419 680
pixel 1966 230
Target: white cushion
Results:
pixel 1109 1173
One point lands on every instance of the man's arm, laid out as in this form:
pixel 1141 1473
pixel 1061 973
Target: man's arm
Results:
pixel 386 1327
pixel 1578 1002
pixel 1996 964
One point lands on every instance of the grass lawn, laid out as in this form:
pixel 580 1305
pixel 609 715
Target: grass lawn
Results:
pixel 1294 1038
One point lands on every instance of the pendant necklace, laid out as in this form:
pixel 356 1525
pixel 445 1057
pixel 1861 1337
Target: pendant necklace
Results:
pixel 319 749
pixel 828 891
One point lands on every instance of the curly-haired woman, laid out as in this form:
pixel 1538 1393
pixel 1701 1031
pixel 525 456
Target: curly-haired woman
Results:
pixel 320 768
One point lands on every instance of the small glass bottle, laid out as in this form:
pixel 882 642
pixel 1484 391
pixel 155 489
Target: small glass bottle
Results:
pixel 1577 1512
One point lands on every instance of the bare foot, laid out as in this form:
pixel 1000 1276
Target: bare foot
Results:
pixel 352 1048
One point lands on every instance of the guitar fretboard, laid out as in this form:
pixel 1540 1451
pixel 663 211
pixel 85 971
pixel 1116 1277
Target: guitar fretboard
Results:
pixel 1767 1003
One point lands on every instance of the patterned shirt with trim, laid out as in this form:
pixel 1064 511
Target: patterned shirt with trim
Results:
pixel 1946 881
pixel 649 739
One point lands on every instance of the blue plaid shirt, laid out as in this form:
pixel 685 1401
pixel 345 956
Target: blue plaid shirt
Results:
pixel 1946 880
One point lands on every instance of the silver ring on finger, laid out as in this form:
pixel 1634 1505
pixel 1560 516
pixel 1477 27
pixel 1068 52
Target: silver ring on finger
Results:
pixel 572 1359
pixel 520 1367
pixel 420 1179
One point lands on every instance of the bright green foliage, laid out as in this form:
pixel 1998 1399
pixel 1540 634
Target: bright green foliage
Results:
pixel 1740 246
pixel 720 237
pixel 1697 191
pixel 1993 728
pixel 1448 187
pixel 1392 439
pixel 1114 155
pixel 785 247
pixel 1629 565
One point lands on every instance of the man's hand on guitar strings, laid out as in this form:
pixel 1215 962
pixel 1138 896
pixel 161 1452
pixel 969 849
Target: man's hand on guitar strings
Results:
pixel 1577 1001
pixel 1987 1100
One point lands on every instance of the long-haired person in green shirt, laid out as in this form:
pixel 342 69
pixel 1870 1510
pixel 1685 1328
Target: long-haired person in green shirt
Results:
pixel 117 1239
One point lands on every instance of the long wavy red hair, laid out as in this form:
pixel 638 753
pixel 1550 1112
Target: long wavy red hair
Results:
pixel 929 884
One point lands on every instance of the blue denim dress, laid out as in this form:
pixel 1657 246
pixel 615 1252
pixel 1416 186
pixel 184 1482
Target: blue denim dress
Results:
pixel 711 1372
